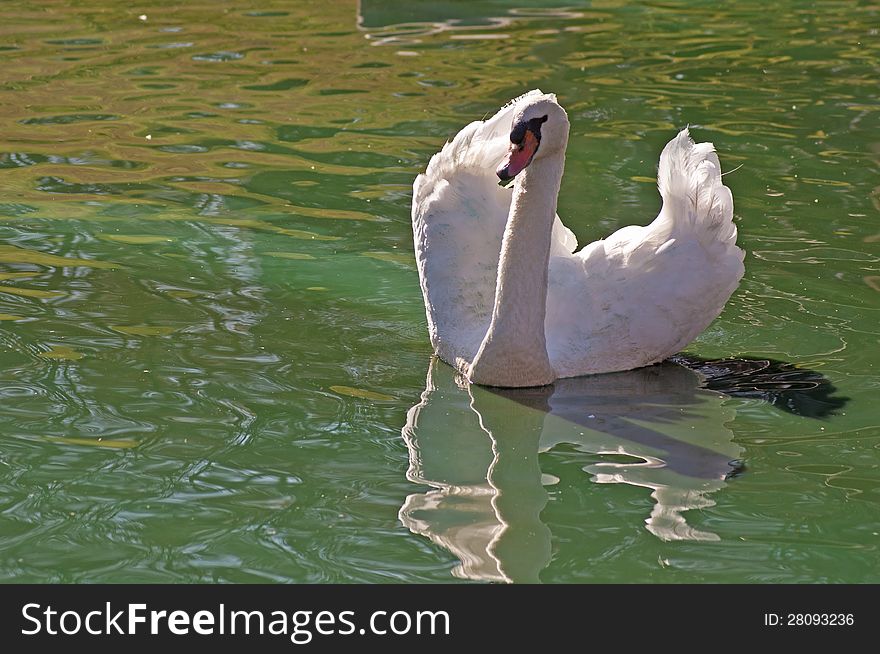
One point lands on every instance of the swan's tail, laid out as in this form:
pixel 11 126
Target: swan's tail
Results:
pixel 694 199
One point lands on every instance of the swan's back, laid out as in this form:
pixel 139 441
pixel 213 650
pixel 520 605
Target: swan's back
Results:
pixel 643 293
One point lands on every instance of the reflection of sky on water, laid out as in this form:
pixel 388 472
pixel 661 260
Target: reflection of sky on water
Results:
pixel 659 428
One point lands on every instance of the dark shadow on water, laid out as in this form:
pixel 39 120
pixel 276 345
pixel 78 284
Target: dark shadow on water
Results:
pixel 664 428
pixel 800 391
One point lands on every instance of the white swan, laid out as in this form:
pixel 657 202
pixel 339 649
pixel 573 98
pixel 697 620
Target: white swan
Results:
pixel 509 301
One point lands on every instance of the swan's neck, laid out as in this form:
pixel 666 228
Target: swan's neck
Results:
pixel 514 350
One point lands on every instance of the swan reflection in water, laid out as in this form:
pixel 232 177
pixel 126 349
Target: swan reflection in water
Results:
pixel 478 447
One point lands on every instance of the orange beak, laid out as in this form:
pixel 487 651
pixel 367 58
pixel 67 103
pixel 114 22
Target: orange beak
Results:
pixel 519 156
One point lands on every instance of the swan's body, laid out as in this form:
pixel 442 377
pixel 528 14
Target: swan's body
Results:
pixel 510 303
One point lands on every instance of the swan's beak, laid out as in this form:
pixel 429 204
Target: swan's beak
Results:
pixel 519 156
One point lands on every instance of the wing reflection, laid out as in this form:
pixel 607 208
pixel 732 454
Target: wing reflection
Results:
pixel 661 428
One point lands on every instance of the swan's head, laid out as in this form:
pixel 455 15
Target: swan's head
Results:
pixel 539 128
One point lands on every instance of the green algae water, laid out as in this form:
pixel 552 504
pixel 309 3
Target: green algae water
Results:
pixel 215 365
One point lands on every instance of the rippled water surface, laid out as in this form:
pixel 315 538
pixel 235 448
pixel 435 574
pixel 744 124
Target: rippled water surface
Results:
pixel 214 360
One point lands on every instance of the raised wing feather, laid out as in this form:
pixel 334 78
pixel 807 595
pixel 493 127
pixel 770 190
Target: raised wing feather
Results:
pixel 459 213
pixel 644 293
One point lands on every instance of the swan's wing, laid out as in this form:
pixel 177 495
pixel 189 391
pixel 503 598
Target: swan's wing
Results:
pixel 459 213
pixel 644 293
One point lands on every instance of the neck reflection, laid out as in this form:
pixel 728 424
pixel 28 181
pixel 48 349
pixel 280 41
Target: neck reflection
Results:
pixel 477 448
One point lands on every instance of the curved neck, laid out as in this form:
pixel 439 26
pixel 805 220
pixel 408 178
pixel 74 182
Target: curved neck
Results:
pixel 514 350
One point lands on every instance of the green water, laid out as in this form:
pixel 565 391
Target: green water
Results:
pixel 212 329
